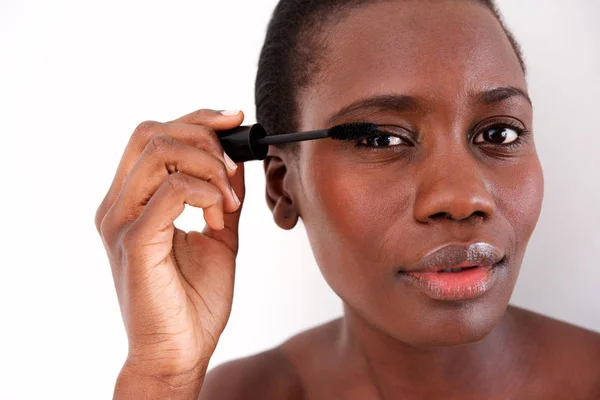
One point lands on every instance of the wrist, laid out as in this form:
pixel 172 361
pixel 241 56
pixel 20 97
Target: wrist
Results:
pixel 135 382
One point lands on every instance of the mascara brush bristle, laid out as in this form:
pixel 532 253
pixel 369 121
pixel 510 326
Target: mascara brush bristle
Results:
pixel 350 131
pixel 353 131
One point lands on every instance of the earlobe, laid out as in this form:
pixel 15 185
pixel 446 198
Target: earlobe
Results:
pixel 284 213
pixel 279 201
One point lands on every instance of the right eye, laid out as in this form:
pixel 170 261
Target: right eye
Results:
pixel 380 141
pixel 499 135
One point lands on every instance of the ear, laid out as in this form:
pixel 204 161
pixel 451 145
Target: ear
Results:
pixel 277 175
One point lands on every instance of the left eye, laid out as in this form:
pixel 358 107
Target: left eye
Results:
pixel 498 135
pixel 381 141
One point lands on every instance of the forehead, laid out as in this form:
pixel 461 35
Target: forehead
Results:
pixel 438 50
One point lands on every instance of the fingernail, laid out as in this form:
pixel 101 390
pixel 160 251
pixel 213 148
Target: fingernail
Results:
pixel 229 113
pixel 229 162
pixel 237 201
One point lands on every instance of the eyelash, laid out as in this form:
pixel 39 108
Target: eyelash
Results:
pixel 360 146
pixel 521 133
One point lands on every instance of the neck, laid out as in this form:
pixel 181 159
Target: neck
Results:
pixel 396 367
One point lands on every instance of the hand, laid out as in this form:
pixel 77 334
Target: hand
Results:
pixel 174 288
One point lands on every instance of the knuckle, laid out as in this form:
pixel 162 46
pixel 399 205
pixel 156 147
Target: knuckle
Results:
pixel 102 210
pixel 176 182
pixel 146 130
pixel 98 217
pixel 159 143
pixel 106 229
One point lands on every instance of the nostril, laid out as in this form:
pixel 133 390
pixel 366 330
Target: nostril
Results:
pixel 480 214
pixel 447 215
pixel 440 215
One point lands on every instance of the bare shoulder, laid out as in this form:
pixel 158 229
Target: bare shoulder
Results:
pixel 279 373
pixel 267 375
pixel 567 352
pixel 555 331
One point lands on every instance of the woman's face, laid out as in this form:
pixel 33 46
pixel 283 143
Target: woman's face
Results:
pixel 371 212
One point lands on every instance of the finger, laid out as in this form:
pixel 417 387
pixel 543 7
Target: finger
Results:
pixel 169 201
pixel 229 235
pixel 203 137
pixel 216 119
pixel 164 155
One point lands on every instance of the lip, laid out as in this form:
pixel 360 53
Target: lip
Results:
pixel 481 259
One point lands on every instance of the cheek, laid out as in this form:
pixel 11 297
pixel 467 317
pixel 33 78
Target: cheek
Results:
pixel 351 218
pixel 519 200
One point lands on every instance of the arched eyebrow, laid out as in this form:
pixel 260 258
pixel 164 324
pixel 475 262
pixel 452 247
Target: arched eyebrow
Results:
pixel 405 103
pixel 387 102
pixel 499 94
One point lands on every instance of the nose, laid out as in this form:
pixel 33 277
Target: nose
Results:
pixel 453 188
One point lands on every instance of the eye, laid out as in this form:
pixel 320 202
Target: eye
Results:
pixel 499 135
pixel 381 141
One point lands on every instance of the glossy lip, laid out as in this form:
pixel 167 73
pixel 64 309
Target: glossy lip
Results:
pixel 464 285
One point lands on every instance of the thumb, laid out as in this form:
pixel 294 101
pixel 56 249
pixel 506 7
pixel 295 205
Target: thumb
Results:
pixel 217 120
pixel 229 234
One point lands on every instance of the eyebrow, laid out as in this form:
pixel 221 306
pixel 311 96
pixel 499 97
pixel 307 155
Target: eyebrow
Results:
pixel 405 103
pixel 388 102
pixel 500 94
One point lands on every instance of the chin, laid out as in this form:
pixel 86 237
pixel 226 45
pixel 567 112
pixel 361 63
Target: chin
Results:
pixel 467 330
pixel 448 323
pixel 425 323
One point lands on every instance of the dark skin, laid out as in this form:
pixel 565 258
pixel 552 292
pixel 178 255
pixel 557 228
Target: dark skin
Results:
pixel 437 75
pixel 370 210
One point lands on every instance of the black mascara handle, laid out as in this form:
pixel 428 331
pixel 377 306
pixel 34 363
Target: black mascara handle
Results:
pixel 241 143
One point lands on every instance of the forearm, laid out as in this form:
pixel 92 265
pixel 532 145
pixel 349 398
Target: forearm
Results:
pixel 134 386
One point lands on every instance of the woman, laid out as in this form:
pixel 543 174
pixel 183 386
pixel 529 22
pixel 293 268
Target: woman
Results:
pixel 453 183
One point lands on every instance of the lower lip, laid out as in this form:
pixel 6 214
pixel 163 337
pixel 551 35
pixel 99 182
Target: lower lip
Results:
pixel 464 285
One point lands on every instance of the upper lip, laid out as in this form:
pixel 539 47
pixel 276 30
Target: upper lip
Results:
pixel 457 255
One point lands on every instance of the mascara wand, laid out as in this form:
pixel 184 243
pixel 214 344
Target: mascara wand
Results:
pixel 251 142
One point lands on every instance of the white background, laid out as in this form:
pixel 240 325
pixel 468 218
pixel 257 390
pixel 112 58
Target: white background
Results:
pixel 76 77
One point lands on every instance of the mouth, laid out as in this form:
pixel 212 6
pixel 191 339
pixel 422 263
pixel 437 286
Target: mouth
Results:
pixel 468 273
pixel 465 266
pixel 459 269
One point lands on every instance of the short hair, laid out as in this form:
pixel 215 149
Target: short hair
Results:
pixel 288 61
